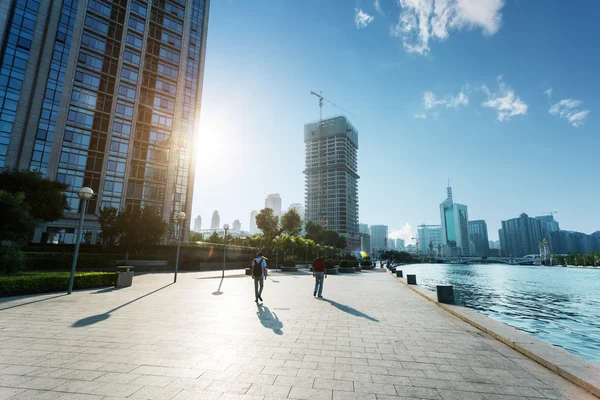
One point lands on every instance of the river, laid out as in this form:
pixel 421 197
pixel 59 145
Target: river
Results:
pixel 558 305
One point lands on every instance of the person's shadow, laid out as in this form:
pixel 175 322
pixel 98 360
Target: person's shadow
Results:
pixel 268 319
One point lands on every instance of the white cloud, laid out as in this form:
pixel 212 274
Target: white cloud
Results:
pixel 362 19
pixel 430 100
pixel 505 102
pixel 405 233
pixel 378 7
pixel 420 116
pixel 548 92
pixel 420 21
pixel 569 109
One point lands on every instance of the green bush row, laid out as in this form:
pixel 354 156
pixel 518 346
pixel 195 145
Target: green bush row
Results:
pixel 45 282
pixel 56 261
pixel 348 263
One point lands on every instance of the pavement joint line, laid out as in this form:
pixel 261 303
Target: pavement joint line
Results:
pixel 591 385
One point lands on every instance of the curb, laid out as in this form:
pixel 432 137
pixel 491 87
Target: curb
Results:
pixel 578 371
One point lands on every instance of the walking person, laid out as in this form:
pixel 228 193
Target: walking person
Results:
pixel 259 273
pixel 320 273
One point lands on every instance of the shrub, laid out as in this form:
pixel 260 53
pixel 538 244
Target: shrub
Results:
pixel 348 263
pixel 57 261
pixel 45 282
pixel 289 262
pixel 12 260
pixel 330 263
pixel 365 263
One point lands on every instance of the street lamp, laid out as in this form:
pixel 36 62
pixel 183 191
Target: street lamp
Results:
pixel 180 218
pixel 243 241
pixel 277 253
pixel 306 252
pixel 226 228
pixel 293 246
pixel 84 194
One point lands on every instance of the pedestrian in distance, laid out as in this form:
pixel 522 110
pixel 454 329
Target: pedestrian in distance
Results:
pixel 259 273
pixel 320 273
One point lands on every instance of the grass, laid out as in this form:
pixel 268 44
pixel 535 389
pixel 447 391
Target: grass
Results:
pixel 46 282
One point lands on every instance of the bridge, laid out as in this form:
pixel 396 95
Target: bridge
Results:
pixel 527 260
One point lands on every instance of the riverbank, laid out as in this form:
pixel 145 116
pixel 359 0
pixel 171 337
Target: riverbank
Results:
pixel 577 370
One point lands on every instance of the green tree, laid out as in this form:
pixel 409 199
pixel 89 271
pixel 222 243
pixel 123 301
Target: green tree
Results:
pixel 46 199
pixel 16 222
pixel 267 222
pixel 215 238
pixel 140 228
pixel 291 223
pixel 196 237
pixel 109 219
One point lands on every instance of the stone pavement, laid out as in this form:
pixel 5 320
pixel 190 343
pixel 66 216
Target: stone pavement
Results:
pixel 370 338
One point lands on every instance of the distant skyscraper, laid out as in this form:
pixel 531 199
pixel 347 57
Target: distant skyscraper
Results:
pixel 253 229
pixel 363 228
pixel 198 224
pixel 299 209
pixel 400 244
pixel 429 234
pixel 379 235
pixel 273 201
pixel 455 227
pixel 520 236
pixel 236 226
pixel 215 222
pixel 104 94
pixel 332 177
pixel 365 243
pixel 547 225
pixel 478 235
pixel 391 244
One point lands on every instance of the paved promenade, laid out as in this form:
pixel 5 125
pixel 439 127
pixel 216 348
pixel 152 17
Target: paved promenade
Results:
pixel 370 338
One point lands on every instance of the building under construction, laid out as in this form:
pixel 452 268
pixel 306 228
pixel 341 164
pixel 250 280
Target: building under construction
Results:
pixel 332 177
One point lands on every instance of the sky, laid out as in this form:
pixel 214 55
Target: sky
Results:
pixel 499 97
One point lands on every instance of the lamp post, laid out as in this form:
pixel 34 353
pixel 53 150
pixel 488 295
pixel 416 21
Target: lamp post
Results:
pixel 293 246
pixel 277 253
pixel 226 228
pixel 180 219
pixel 84 194
pixel 243 241
pixel 306 253
pixel 318 250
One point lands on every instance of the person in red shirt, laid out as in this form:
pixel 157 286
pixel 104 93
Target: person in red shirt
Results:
pixel 320 273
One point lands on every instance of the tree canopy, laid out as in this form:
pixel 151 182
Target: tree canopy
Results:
pixel 45 197
pixel 324 236
pixel 291 223
pixel 135 230
pixel 267 222
pixel 16 221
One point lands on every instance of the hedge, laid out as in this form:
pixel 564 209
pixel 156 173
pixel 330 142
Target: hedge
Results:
pixel 55 261
pixel 45 282
pixel 348 263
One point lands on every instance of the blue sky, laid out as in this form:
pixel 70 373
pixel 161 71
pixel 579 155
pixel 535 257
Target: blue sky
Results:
pixel 458 92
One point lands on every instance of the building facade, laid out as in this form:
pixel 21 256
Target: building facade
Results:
pixel 113 103
pixel 365 243
pixel 563 242
pixel 379 237
pixel 400 244
pixel 391 244
pixel 332 177
pixel 520 236
pixel 429 234
pixel 215 222
pixel 253 229
pixel 547 225
pixel 478 235
pixel 198 224
pixel 455 227
pixel 236 226
pixel 273 201
pixel 363 228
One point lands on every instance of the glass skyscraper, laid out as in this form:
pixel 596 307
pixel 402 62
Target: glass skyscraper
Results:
pixel 455 227
pixel 104 94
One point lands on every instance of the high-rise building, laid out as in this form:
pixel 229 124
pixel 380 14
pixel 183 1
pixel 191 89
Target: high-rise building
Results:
pixel 236 226
pixel 562 242
pixel 332 177
pixel 198 224
pixel 520 236
pixel 400 244
pixel 478 235
pixel 379 236
pixel 253 229
pixel 391 244
pixel 104 94
pixel 363 228
pixel 215 222
pixel 365 243
pixel 455 231
pixel 429 234
pixel 273 201
pixel 300 210
pixel 547 225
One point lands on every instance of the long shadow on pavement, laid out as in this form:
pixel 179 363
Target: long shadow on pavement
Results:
pixel 350 310
pixel 94 319
pixel 218 292
pixel 268 319
pixel 31 302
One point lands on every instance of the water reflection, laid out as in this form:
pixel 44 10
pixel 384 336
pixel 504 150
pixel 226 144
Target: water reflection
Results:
pixel 558 305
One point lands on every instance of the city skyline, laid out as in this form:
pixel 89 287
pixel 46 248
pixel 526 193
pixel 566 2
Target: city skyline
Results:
pixel 258 107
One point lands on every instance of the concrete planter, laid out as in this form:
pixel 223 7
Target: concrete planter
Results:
pixel 124 276
pixel 345 270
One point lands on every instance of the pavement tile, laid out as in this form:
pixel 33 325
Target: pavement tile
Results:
pixel 36 395
pixel 334 384
pixel 116 389
pixel 269 390
pixel 155 393
pixel 418 392
pixel 5 392
pixel 353 376
pixel 376 388
pixel 341 395
pixel 310 394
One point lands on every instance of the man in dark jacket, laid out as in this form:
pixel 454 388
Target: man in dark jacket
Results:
pixel 320 273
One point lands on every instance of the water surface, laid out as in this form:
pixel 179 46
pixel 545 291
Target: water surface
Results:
pixel 558 305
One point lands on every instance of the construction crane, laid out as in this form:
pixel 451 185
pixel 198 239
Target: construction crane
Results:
pixel 321 167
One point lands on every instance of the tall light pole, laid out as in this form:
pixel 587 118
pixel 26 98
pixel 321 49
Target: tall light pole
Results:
pixel 84 194
pixel 277 253
pixel 306 253
pixel 226 228
pixel 293 247
pixel 180 219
